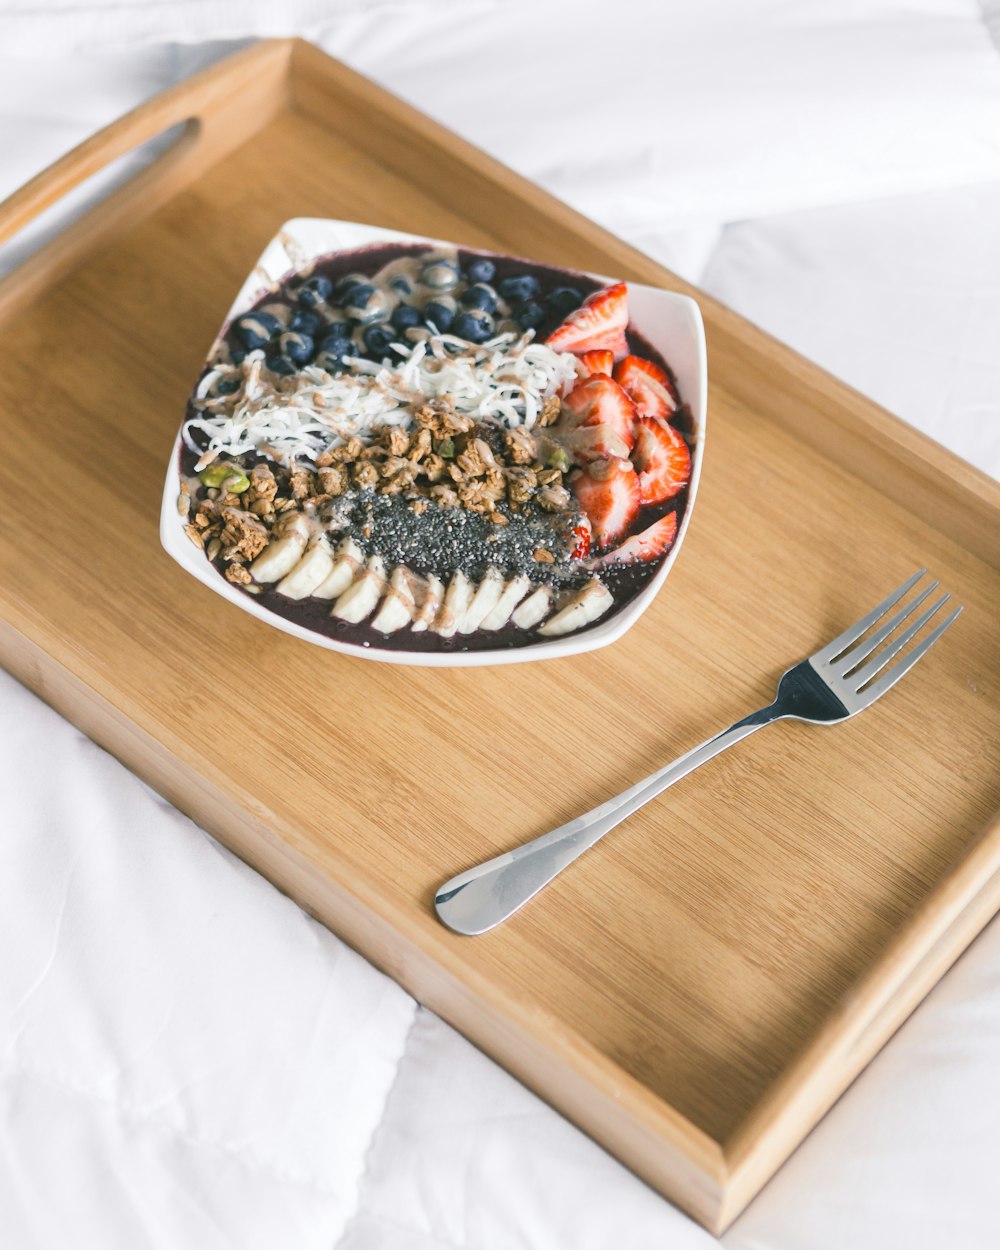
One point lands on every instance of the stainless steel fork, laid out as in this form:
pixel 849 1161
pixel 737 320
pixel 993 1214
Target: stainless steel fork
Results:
pixel 839 681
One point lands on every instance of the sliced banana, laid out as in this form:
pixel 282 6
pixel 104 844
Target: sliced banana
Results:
pixel 534 609
pixel 484 600
pixel 399 606
pixel 456 601
pixel 360 599
pixel 510 597
pixel 430 604
pixel 282 554
pixel 310 571
pixel 347 559
pixel 589 602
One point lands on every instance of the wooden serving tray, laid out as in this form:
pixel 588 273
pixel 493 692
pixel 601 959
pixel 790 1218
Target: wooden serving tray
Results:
pixel 697 991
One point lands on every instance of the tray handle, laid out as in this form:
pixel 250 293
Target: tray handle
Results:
pixel 218 109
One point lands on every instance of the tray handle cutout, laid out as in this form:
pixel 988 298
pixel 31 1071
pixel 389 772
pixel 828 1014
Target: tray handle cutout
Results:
pixel 124 172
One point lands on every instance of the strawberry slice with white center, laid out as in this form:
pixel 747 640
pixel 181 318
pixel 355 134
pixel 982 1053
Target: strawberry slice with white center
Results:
pixel 651 390
pixel 651 543
pixel 602 361
pixel 662 460
pixel 608 491
pixel 601 401
pixel 598 324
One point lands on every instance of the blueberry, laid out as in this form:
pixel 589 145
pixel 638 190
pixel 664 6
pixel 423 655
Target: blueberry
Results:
pixel 440 275
pixel 337 345
pixel 337 330
pixel 475 327
pixel 377 339
pixel 480 296
pixel 237 355
pixel 520 286
pixel 227 386
pixel 331 362
pixel 306 322
pixel 360 294
pixel 315 291
pixel 564 299
pixel 440 315
pixel 297 347
pixel 278 362
pixel 530 314
pixel 405 315
pixel 336 340
pixel 480 270
pixel 401 284
pixel 256 329
pixel 344 288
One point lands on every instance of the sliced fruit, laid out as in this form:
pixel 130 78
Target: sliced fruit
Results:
pixel 586 605
pixel 278 558
pixel 399 606
pixel 649 544
pixel 485 599
pixel 600 361
pixel 649 387
pixel 310 572
pixel 600 401
pixel 510 597
pixel 598 324
pixel 534 609
pixel 347 559
pixel 662 460
pixel 456 600
pixel 608 491
pixel 581 533
pixel 361 598
pixel 430 604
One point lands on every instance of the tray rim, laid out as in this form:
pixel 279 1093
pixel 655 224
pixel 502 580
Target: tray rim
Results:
pixel 719 1182
pixel 268 265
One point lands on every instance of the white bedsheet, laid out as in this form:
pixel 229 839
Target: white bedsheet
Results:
pixel 186 1060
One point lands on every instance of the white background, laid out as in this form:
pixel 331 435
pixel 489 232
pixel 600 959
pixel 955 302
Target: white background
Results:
pixel 186 1060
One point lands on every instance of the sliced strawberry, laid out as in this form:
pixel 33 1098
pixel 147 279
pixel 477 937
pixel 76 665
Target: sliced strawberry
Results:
pixel 602 361
pixel 601 401
pixel 651 390
pixel 662 460
pixel 649 544
pixel 598 324
pixel 581 534
pixel 608 491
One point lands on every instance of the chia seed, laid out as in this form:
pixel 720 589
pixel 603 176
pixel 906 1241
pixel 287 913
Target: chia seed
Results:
pixel 443 540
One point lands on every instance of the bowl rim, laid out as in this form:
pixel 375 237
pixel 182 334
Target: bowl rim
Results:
pixel 180 548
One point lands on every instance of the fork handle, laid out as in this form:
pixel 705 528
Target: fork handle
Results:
pixel 479 899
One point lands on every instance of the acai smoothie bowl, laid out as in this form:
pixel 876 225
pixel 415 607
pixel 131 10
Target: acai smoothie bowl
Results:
pixel 423 453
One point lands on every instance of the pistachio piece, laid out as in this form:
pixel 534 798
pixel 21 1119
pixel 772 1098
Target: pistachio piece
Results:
pixel 228 475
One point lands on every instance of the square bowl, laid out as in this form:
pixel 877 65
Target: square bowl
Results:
pixel 670 322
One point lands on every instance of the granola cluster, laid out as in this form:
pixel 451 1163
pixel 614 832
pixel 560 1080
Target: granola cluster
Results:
pixel 237 519
pixel 450 460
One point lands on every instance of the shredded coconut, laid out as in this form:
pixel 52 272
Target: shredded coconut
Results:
pixel 505 380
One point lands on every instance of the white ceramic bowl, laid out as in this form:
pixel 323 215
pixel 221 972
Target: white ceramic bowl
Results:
pixel 671 323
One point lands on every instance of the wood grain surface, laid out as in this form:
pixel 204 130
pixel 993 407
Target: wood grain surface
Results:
pixel 696 992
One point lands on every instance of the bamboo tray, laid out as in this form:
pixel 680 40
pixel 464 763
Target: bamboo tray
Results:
pixel 697 992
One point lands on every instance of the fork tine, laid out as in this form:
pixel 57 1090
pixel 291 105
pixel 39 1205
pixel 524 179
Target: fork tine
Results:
pixel 889 678
pixel 849 636
pixel 867 646
pixel 875 665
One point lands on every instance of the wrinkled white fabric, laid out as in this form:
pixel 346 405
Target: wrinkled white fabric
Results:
pixel 186 1060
